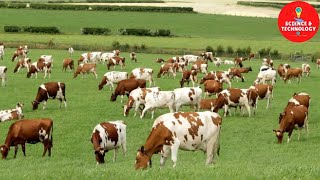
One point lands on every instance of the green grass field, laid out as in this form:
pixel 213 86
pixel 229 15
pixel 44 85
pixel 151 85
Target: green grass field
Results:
pixel 192 31
pixel 249 148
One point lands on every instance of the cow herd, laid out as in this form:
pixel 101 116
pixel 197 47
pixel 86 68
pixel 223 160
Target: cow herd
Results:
pixel 196 130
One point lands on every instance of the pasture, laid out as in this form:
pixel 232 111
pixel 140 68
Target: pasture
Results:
pixel 249 148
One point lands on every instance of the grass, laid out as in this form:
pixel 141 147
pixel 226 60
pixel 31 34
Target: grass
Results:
pixel 201 31
pixel 248 145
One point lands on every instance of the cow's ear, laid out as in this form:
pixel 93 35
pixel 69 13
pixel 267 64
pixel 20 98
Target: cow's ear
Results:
pixel 275 131
pixel 142 149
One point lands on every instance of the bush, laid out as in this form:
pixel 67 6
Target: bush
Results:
pixel 262 52
pixel 115 45
pixel 248 50
pixel 220 50
pixel 162 32
pixel 275 54
pixel 45 30
pixel 17 5
pixel 240 52
pixel 230 50
pixel 209 49
pixel 12 29
pixel 95 31
pixel 136 32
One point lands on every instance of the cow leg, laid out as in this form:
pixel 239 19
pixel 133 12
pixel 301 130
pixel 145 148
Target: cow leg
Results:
pixel 44 149
pixel 45 74
pixel 15 151
pixel 95 74
pixel 289 135
pixel 152 114
pixel 164 155
pixel 44 105
pixel 23 148
pixel 144 111
pixel 268 101
pixel 124 147
pixel 121 98
pixel 248 109
pixel 226 107
pixel 174 151
pixel 115 154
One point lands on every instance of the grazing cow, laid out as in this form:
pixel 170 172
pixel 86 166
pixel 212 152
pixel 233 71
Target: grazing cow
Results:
pixel 228 62
pixel 217 61
pixel 133 56
pixel 159 60
pixel 126 86
pixel 168 68
pixel 293 73
pixel 67 63
pixel 22 63
pixel 181 130
pixel 318 63
pixel 187 76
pixel 200 66
pixel 3 75
pixel 222 76
pixel 157 100
pixel 112 77
pixel 238 61
pixel 92 57
pixel 212 87
pixel 187 96
pixel 70 51
pixel 107 136
pixel 47 59
pixel 267 62
pixel 207 104
pixel 53 90
pixel 136 98
pixel 235 72
pixel 105 57
pixel 86 69
pixel 116 61
pixel 176 59
pixel 20 52
pixel 296 115
pixel 10 114
pixel 299 99
pixel 265 91
pixel 116 52
pixel 207 56
pixel 282 70
pixel 232 97
pixel 143 73
pixel 191 58
pixel 28 131
pixel 40 66
pixel 306 69
pixel 266 75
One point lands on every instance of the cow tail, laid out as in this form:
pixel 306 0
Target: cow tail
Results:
pixel 173 97
pixel 50 136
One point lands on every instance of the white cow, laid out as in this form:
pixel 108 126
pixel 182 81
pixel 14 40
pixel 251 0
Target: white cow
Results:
pixel 157 100
pixel 193 131
pixel 187 96
pixel 47 59
pixel 228 62
pixel 3 75
pixel 112 77
pixel 105 57
pixel 191 58
pixel 143 73
pixel 1 51
pixel 107 136
pixel 136 98
pixel 71 51
pixel 266 75
pixel 9 114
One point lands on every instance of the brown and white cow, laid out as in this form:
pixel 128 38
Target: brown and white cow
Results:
pixel 306 69
pixel 212 87
pixel 28 131
pixel 293 73
pixel 207 104
pixel 222 76
pixel 187 76
pixel 281 71
pixel 265 91
pixel 235 72
pixel 159 60
pixel 53 90
pixel 109 136
pixel 238 61
pixel 86 69
pixel 20 52
pixel 133 56
pixel 40 66
pixel 67 63
pixel 3 75
pixel 190 131
pixel 295 115
pixel 318 63
pixel 200 66
pixel 111 78
pixel 126 86
pixel 187 96
pixel 267 62
pixel 168 68
pixel 10 114
pixel 22 63
pixel 136 98
pixel 208 56
pixel 176 59
pixel 232 97
pixel 116 61
pixel 299 99
pixel 143 73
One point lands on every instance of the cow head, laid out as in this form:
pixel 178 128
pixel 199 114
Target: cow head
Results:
pixel 126 110
pixel 35 105
pixel 4 150
pixel 279 134
pixel 98 151
pixel 143 160
pixel 221 101
pixel 113 97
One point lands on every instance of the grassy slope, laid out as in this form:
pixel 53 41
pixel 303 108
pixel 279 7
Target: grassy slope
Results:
pixel 248 146
pixel 195 31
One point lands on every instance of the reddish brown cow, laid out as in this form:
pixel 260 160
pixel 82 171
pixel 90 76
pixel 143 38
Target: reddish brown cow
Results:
pixel 265 91
pixel 22 63
pixel 296 115
pixel 238 61
pixel 187 76
pixel 293 73
pixel 28 131
pixel 207 104
pixel 19 52
pixel 67 63
pixel 116 61
pixel 299 99
pixel 281 71
pixel 168 68
pixel 40 66
pixel 85 69
pixel 222 76
pixel 212 87
pixel 235 72
pixel 126 86
pixel 53 90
